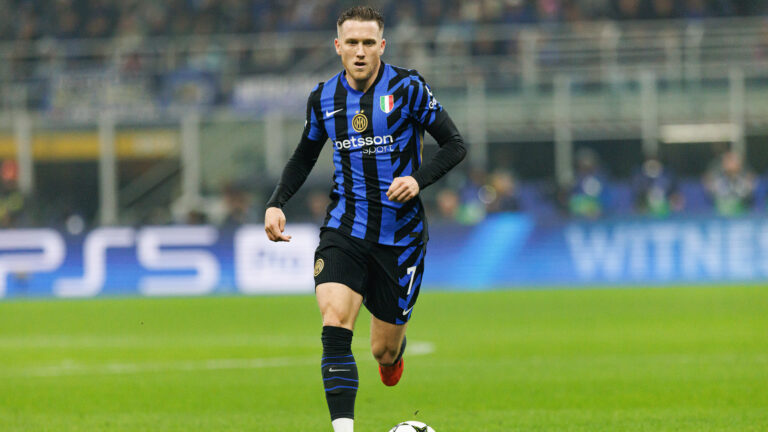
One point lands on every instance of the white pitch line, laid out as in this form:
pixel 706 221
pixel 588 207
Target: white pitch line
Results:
pixel 70 368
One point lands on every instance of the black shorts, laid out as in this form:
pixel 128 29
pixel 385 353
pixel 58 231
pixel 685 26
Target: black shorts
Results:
pixel 388 277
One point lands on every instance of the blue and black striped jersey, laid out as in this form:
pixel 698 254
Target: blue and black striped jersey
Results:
pixel 377 136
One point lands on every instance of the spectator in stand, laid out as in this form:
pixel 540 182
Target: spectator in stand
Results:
pixel 196 217
pixel 730 185
pixel 590 9
pixel 548 11
pixel 587 196
pixel 472 197
pixel 463 202
pixel 11 198
pixel 238 205
pixel 101 20
pixel 448 206
pixel 518 12
pixel 66 19
pixel 317 203
pixel 629 10
pixel 695 9
pixel 502 195
pixel 655 189
pixel 664 9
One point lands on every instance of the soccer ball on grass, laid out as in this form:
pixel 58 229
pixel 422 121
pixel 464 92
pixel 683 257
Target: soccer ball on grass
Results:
pixel 411 426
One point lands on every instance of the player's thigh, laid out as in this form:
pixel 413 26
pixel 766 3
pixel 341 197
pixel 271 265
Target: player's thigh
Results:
pixel 394 275
pixel 340 274
pixel 339 304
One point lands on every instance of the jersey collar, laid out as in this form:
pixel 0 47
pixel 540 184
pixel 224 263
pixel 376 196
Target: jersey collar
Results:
pixel 345 83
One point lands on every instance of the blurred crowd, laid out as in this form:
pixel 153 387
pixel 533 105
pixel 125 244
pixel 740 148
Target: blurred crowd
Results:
pixel 76 57
pixel 67 19
pixel 728 188
pixel 467 195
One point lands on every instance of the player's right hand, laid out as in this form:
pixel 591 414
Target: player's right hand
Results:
pixel 274 225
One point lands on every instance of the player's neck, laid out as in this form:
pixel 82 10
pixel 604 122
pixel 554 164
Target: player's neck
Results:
pixel 363 86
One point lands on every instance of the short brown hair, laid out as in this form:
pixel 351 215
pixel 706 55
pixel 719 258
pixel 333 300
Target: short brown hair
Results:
pixel 361 13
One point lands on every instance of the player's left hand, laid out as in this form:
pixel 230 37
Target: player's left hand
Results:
pixel 403 189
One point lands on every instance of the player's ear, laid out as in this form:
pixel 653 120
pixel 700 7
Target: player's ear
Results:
pixel 337 46
pixel 383 45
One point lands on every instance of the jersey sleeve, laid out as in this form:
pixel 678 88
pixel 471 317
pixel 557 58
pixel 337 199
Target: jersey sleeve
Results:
pixel 451 152
pixel 313 129
pixel 422 105
pixel 427 112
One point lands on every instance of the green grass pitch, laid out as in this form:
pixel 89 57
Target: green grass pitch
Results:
pixel 671 359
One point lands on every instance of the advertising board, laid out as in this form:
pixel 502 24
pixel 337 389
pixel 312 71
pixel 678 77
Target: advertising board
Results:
pixel 505 251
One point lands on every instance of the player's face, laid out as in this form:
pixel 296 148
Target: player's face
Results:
pixel 360 45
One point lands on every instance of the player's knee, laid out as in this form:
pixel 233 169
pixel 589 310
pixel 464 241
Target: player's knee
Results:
pixel 331 322
pixel 385 353
pixel 334 319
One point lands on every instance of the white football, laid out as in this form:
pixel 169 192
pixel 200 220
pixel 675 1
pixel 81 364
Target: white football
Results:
pixel 411 426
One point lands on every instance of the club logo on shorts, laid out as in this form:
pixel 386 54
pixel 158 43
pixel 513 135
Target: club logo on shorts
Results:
pixel 319 264
pixel 359 122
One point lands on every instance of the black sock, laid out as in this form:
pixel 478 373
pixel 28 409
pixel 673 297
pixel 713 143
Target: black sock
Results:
pixel 402 350
pixel 339 372
pixel 400 355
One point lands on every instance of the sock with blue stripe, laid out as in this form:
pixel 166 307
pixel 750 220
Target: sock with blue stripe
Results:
pixel 339 372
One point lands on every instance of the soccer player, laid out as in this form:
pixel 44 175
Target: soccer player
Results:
pixel 374 237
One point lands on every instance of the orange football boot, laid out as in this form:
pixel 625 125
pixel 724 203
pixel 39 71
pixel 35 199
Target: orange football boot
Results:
pixel 390 375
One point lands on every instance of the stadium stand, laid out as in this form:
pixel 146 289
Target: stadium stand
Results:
pixel 232 76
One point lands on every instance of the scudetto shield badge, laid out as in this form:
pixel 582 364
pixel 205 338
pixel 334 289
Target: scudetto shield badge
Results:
pixel 387 103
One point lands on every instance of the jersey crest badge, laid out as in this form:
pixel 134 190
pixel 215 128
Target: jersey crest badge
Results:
pixel 387 103
pixel 360 122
